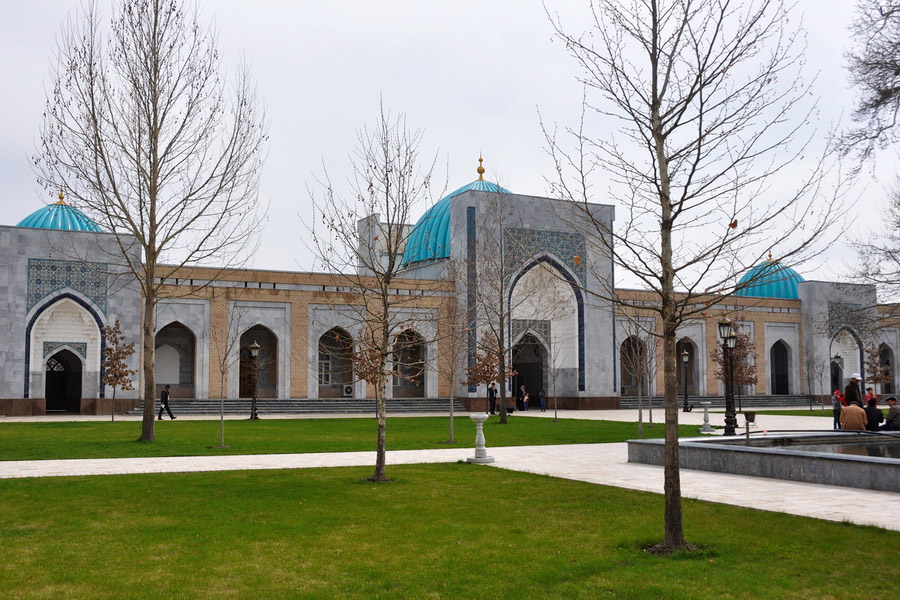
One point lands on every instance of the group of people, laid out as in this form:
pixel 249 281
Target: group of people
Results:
pixel 852 411
pixel 522 399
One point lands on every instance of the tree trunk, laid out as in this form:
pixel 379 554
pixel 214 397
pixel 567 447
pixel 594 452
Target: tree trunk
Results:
pixel 148 433
pixel 503 379
pixel 674 529
pixel 380 411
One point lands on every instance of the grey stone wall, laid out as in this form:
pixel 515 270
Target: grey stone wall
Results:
pixel 105 289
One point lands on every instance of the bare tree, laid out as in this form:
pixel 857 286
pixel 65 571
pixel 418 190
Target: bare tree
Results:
pixel 638 351
pixel 708 102
pixel 225 340
pixel 454 341
pixel 877 372
pixel 874 68
pixel 115 366
pixel 817 369
pixel 363 240
pixel 141 130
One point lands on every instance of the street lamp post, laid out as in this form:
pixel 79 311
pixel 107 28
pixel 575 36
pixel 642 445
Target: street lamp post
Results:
pixel 729 341
pixel 254 352
pixel 684 361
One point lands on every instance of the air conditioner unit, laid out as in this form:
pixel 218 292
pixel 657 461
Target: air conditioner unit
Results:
pixel 348 391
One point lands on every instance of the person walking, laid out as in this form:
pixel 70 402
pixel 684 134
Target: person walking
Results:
pixel 836 405
pixel 525 401
pixel 851 392
pixel 492 398
pixel 874 416
pixel 853 417
pixel 542 398
pixel 164 404
pixel 892 423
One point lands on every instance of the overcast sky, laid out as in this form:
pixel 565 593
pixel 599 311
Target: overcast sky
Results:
pixel 472 75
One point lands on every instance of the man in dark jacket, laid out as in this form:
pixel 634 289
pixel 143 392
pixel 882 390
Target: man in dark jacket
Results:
pixel 874 416
pixel 852 394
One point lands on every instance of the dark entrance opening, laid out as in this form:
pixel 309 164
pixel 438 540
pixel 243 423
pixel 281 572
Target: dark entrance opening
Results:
pixel 779 362
pixel 63 383
pixel 409 364
pixel 885 360
pixel 528 361
pixel 837 377
pixel 259 373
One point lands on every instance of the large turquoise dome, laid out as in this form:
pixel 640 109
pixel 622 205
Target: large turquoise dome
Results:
pixel 771 279
pixel 430 238
pixel 59 216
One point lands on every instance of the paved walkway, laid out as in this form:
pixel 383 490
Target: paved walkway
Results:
pixel 605 464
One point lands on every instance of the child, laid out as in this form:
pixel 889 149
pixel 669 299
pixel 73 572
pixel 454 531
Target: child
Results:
pixel 525 400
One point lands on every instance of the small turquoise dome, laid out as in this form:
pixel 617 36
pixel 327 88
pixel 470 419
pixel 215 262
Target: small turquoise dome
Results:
pixel 430 238
pixel 771 279
pixel 60 216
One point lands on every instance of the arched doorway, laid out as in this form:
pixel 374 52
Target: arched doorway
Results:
pixel 779 364
pixel 686 374
pixel 886 360
pixel 529 360
pixel 837 376
pixel 335 368
pixel 409 365
pixel 263 371
pixel 175 352
pixel 63 382
pixel 633 361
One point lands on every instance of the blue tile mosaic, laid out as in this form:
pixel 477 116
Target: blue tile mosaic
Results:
pixel 522 245
pixel 52 347
pixel 46 276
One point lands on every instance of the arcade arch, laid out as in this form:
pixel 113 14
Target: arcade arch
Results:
pixel 335 363
pixel 409 365
pixel 261 372
pixel 175 360
pixel 780 368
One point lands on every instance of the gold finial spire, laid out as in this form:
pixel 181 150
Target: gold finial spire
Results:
pixel 480 169
pixel 770 256
pixel 62 197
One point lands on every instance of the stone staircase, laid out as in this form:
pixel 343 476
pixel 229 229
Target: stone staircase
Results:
pixel 300 406
pixel 719 401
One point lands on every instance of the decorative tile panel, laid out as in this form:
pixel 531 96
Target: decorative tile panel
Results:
pixel 539 326
pixel 524 244
pixel 79 347
pixel 46 276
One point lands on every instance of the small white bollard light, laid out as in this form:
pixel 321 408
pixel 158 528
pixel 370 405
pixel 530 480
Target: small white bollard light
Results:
pixel 706 426
pixel 481 456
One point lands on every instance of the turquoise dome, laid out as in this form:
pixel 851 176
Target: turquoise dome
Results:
pixel 430 238
pixel 59 216
pixel 771 279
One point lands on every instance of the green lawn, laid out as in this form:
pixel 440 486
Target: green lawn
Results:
pixel 436 531
pixel 103 439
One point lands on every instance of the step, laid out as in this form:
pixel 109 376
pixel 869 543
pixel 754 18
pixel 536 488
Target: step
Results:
pixel 214 406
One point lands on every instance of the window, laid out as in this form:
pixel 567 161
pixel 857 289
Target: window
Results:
pixel 324 369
